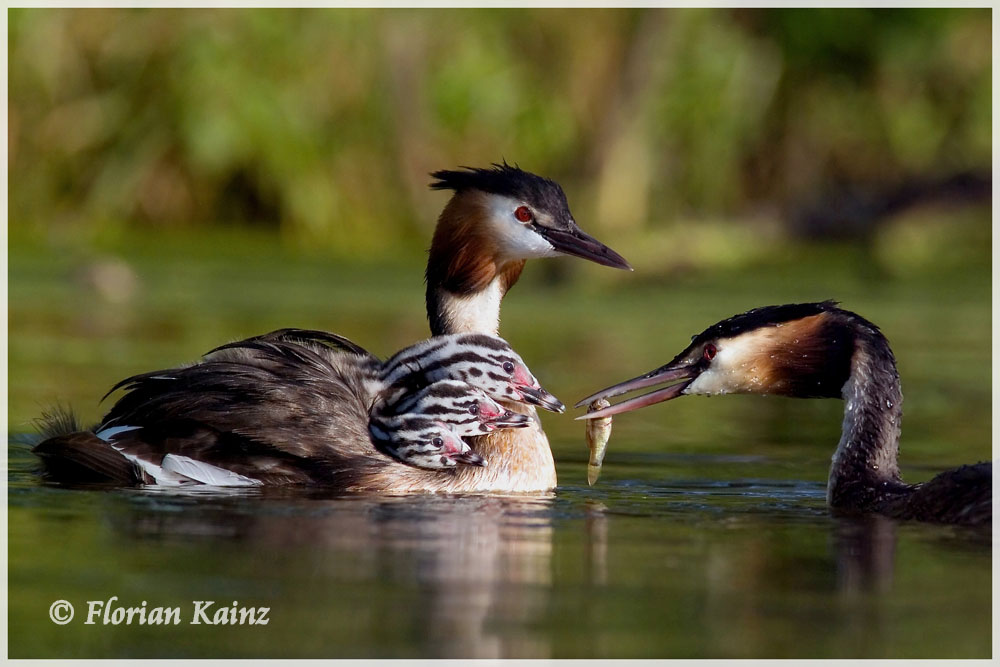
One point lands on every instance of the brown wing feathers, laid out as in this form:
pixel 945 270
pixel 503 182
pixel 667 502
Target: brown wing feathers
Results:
pixel 234 413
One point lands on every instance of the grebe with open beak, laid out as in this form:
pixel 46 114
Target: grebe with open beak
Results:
pixel 817 350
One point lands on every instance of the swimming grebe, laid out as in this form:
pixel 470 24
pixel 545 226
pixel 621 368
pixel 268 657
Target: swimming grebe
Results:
pixel 817 350
pixel 497 219
pixel 243 398
pixel 296 407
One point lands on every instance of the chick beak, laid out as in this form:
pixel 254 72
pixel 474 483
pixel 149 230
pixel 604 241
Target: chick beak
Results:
pixel 470 458
pixel 574 241
pixel 541 398
pixel 668 373
pixel 510 420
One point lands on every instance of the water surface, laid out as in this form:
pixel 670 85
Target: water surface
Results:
pixel 659 566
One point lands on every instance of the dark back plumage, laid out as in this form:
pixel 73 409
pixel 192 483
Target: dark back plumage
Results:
pixel 286 407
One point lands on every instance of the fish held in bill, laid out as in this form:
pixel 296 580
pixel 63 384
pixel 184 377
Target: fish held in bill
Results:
pixel 598 434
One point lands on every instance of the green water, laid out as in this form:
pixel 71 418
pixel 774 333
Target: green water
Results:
pixel 706 536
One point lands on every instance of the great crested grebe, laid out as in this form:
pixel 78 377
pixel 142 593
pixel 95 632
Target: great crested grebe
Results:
pixel 817 350
pixel 296 407
pixel 241 399
pixel 497 219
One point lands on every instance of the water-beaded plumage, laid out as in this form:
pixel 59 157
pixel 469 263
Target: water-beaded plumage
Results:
pixel 817 350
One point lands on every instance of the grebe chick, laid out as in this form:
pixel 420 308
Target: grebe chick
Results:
pixel 423 442
pixel 465 409
pixel 425 429
pixel 486 362
pixel 817 350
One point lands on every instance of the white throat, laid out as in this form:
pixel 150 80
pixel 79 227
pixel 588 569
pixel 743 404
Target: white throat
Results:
pixel 474 313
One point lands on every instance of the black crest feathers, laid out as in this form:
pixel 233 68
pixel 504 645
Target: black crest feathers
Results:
pixel 501 179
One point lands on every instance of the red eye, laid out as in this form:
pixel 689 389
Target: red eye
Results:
pixel 709 352
pixel 523 213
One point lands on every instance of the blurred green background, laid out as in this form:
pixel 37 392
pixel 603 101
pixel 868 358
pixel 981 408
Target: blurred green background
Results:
pixel 323 124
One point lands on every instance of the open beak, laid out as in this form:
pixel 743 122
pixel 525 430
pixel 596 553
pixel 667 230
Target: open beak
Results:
pixel 669 373
pixel 541 398
pixel 510 420
pixel 574 241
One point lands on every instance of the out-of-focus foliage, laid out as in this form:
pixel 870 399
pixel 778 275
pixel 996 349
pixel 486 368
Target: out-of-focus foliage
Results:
pixel 325 123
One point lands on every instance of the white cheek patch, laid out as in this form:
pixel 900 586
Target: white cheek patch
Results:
pixel 733 370
pixel 515 239
pixel 709 383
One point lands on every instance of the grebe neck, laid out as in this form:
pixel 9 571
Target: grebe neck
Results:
pixel 468 270
pixel 864 466
pixel 473 311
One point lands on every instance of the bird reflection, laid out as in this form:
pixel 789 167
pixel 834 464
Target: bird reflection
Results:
pixel 471 574
pixel 865 548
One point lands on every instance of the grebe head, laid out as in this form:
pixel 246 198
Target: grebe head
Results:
pixel 497 220
pixel 485 362
pixel 467 410
pixel 512 215
pixel 421 441
pixel 802 350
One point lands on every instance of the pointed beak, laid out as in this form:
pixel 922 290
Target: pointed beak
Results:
pixel 574 241
pixel 510 420
pixel 470 458
pixel 668 373
pixel 541 398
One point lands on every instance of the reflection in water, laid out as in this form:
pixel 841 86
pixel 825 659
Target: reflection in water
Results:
pixel 596 529
pixel 865 549
pixel 478 564
pixel 674 566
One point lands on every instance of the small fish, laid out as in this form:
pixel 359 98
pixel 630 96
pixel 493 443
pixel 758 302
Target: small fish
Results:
pixel 598 434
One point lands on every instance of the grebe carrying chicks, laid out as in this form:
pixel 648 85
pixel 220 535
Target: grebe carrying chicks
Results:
pixel 295 406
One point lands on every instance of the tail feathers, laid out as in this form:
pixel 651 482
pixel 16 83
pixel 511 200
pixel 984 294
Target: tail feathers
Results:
pixel 83 458
pixel 57 421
